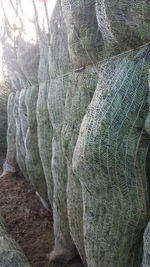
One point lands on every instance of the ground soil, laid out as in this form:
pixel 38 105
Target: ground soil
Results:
pixel 28 222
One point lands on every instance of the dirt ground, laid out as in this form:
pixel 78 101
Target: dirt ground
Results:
pixel 28 222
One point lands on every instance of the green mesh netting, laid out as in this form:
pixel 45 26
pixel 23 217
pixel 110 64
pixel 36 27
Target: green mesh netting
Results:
pixel 44 126
pixel 124 24
pixel 84 39
pixel 58 61
pixel 20 148
pixel 10 164
pixel 82 117
pixel 80 88
pixel 110 159
pixel 33 162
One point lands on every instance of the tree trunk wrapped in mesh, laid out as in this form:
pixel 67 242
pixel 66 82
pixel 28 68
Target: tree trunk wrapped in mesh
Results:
pixel 10 164
pixel 85 47
pixel 58 59
pixel 20 148
pixel 33 161
pixel 110 159
pixel 4 93
pixel 124 24
pixel 44 126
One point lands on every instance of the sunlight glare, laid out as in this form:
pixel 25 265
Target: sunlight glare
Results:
pixel 27 17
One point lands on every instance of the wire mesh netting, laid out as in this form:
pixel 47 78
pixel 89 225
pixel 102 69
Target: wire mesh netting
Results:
pixel 81 112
